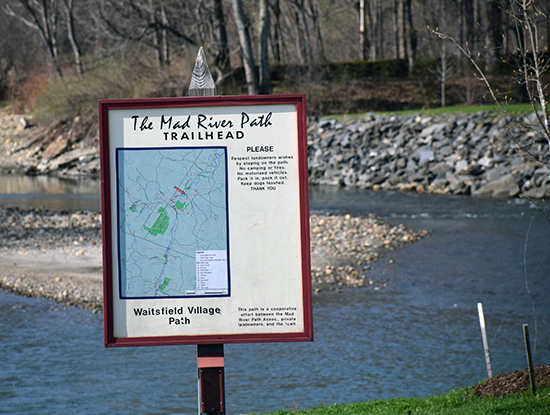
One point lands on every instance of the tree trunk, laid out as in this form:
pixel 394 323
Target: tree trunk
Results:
pixel 72 38
pixel 276 31
pixel 521 93
pixel 411 34
pixel 380 32
pixel 494 34
pixel 303 43
pixel 220 37
pixel 395 28
pixel 160 40
pixel 165 50
pixel 478 6
pixel 469 24
pixel 400 29
pixel 313 11
pixel 373 23
pixel 363 32
pixel 246 47
pixel 265 74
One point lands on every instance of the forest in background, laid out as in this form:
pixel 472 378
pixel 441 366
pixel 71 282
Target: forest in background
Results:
pixel 58 56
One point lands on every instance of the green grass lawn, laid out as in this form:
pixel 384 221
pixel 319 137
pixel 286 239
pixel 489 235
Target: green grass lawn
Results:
pixel 461 402
pixel 515 109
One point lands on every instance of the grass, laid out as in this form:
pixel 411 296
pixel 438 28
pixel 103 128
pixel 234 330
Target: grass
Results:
pixel 514 109
pixel 461 402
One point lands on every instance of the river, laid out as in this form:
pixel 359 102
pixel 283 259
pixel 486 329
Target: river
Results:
pixel 416 337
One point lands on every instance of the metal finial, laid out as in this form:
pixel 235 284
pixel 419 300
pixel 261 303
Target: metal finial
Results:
pixel 202 84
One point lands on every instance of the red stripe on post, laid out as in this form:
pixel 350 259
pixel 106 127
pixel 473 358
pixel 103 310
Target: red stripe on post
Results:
pixel 216 361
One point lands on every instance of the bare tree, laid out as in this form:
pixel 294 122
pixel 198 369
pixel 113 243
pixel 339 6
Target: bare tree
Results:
pixel 494 33
pixel 363 30
pixel 77 54
pixel 533 63
pixel 44 19
pixel 7 58
pixel 410 35
pixel 302 39
pixel 159 23
pixel 314 15
pixel 400 29
pixel 243 27
pixel 265 73
pixel 276 31
pixel 146 22
pixel 375 25
pixel 308 37
pixel 532 66
pixel 443 71
pixel 220 38
pixel 405 35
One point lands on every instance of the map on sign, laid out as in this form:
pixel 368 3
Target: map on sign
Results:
pixel 172 222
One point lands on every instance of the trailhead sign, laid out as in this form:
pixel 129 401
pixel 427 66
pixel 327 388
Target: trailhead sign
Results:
pixel 205 220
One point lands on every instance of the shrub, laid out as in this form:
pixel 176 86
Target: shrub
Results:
pixel 23 89
pixel 68 98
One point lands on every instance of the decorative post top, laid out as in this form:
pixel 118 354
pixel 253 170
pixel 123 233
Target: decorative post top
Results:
pixel 202 84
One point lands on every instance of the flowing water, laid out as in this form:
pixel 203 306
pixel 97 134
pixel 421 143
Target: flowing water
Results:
pixel 54 193
pixel 415 337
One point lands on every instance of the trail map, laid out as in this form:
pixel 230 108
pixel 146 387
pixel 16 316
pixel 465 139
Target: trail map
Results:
pixel 172 222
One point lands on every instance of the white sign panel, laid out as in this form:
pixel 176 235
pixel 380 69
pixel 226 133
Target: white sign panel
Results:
pixel 205 220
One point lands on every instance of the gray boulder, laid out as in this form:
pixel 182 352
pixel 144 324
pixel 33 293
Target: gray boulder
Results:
pixel 505 186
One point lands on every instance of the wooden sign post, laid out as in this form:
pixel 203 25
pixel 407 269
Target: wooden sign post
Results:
pixel 530 368
pixel 205 221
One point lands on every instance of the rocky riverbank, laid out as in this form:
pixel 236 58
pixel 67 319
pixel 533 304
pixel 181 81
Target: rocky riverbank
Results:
pixel 57 255
pixel 343 246
pixel 62 148
pixel 480 154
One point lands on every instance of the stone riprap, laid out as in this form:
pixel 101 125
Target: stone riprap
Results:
pixel 480 154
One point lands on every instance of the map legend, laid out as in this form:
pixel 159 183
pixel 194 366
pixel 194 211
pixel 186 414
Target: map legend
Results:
pixel 212 271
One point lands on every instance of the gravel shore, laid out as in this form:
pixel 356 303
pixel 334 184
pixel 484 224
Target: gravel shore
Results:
pixel 343 246
pixel 57 255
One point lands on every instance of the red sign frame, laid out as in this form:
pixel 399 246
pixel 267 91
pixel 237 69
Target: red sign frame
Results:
pixel 232 104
